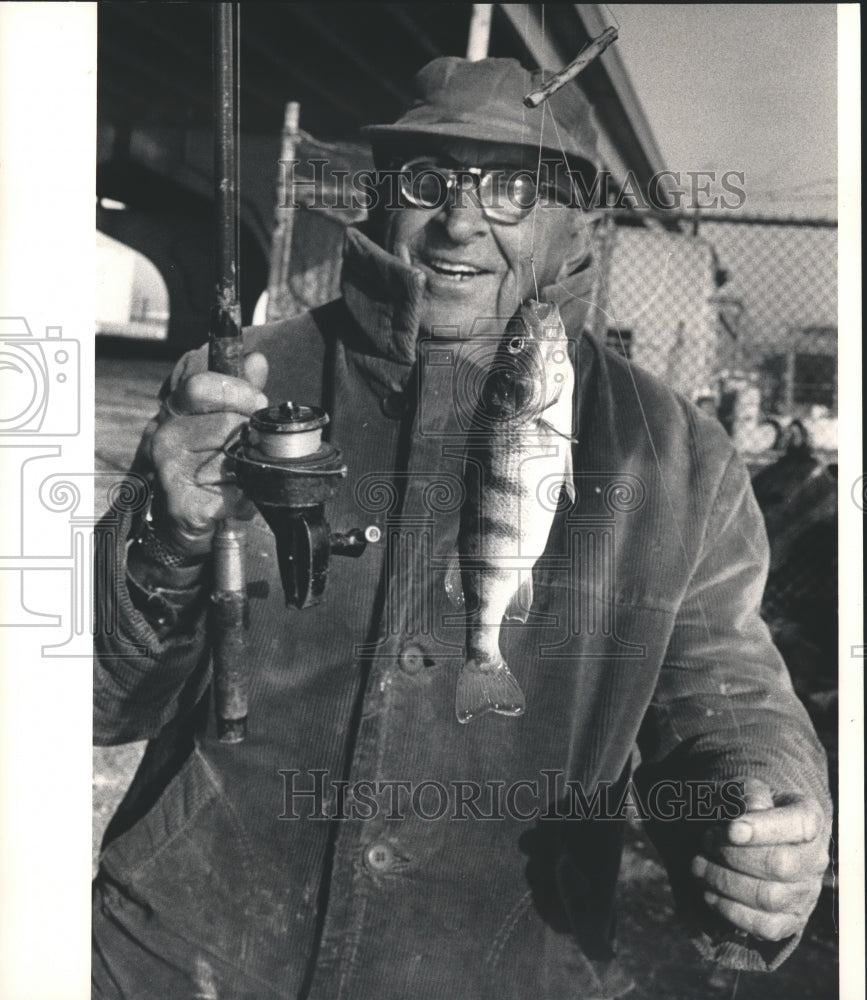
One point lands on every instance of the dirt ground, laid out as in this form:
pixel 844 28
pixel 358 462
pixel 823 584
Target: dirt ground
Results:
pixel 653 947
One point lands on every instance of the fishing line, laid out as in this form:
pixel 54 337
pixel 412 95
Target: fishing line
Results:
pixel 603 281
pixel 607 295
pixel 536 203
pixel 553 430
pixel 633 316
pixel 652 444
pixel 538 178
pixel 237 59
pixel 523 136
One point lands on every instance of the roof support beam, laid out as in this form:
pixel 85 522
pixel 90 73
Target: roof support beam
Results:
pixel 350 52
pixel 415 30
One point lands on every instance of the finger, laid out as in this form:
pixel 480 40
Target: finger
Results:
pixel 794 823
pixel 758 893
pixel 780 862
pixel 256 370
pixel 770 926
pixel 187 525
pixel 208 392
pixel 198 433
pixel 182 477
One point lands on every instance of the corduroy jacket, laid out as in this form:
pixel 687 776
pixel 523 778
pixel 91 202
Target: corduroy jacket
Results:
pixel 361 843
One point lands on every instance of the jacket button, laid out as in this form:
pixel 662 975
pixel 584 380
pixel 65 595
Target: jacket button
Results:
pixel 379 856
pixel 395 405
pixel 411 658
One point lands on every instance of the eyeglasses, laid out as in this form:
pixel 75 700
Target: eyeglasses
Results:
pixel 504 194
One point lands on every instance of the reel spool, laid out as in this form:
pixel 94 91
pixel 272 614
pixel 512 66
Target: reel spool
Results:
pixel 288 471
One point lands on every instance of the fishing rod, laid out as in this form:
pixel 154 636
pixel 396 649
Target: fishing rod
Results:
pixel 228 609
pixel 281 460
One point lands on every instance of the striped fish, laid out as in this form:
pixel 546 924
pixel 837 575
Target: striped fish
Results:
pixel 520 437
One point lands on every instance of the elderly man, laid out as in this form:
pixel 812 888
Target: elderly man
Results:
pixel 361 843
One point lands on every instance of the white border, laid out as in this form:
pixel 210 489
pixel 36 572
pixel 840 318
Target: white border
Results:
pixel 851 519
pixel 47 199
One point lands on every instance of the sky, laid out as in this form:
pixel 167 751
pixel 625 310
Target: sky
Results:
pixel 749 87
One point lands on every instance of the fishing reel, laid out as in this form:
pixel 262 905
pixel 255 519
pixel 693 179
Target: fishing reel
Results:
pixel 287 470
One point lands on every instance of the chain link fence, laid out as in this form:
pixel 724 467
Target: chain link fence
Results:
pixel 740 316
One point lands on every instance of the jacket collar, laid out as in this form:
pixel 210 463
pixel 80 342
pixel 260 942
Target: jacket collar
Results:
pixel 385 297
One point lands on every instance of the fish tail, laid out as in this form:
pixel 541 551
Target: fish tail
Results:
pixel 487 687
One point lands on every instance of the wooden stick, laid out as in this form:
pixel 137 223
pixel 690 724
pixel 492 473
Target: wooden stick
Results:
pixel 596 47
pixel 281 241
pixel 480 32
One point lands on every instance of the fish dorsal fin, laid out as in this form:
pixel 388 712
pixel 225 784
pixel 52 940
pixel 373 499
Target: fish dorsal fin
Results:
pixel 453 583
pixel 519 606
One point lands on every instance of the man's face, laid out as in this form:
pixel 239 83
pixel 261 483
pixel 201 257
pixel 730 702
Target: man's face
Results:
pixel 475 267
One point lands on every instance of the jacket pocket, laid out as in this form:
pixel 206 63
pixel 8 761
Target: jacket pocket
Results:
pixel 188 860
pixel 528 958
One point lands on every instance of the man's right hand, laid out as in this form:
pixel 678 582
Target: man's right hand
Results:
pixel 192 491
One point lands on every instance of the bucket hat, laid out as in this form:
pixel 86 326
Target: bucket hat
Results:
pixel 483 101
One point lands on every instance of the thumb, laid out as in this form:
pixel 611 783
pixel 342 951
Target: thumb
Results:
pixel 757 795
pixel 256 369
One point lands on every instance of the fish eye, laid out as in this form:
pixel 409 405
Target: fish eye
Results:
pixel 558 358
pixel 515 345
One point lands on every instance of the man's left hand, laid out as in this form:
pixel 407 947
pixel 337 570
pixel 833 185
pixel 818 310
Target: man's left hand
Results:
pixel 763 871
